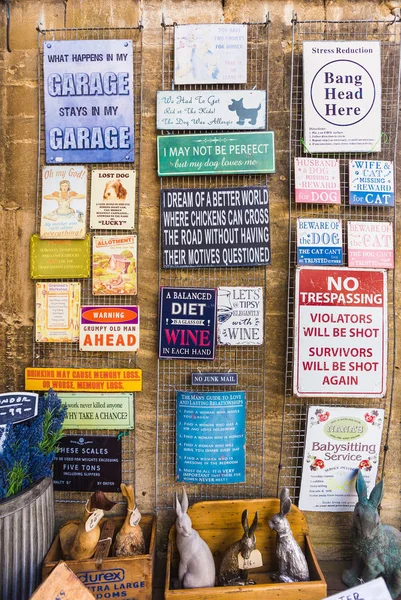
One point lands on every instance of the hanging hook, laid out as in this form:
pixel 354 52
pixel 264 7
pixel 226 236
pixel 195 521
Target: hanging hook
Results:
pixel 8 16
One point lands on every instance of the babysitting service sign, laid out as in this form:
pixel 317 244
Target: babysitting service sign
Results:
pixel 89 102
pixel 340 332
pixel 339 441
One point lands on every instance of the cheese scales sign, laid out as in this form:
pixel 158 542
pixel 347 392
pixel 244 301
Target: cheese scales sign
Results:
pixel 340 332
pixel 342 96
pixel 89 101
pixel 109 328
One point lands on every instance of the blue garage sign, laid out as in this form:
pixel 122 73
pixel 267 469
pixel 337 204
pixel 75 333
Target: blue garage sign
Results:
pixel 89 101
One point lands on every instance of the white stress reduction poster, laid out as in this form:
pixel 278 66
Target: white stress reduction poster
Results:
pixel 339 442
pixel 342 96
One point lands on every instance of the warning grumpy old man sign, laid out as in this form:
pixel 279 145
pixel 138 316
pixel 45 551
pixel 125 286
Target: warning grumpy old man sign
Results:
pixel 340 332
pixel 215 227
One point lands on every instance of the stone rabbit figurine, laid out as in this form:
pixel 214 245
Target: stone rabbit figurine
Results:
pixel 196 568
pixel 291 560
pixel 376 547
pixel 229 572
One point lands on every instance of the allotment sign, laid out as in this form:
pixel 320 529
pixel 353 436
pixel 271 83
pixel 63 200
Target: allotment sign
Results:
pixel 213 109
pixel 216 153
pixel 89 101
pixel 217 227
pixel 211 437
pixel 340 344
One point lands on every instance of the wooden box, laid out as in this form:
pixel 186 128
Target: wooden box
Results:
pixel 62 583
pixel 219 524
pixel 128 578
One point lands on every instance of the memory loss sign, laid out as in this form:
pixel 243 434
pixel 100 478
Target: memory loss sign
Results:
pixel 342 96
pixel 216 153
pixel 215 227
pixel 89 101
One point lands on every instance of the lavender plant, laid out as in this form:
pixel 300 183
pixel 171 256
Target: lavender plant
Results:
pixel 30 447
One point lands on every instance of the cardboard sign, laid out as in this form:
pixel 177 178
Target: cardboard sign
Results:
pixel 17 406
pixel 339 442
pixel 371 182
pixel 57 312
pixel 210 53
pixel 217 227
pixel 370 244
pixel 211 437
pixel 340 347
pixel 216 153
pixel 62 584
pixel 64 193
pixel 114 265
pixel 109 328
pixel 374 590
pixel 213 109
pixel 319 242
pixel 87 380
pixel 214 378
pixel 317 180
pixel 240 316
pixel 112 199
pixel 187 323
pixel 87 464
pixel 89 101
pixel 59 259
pixel 342 96
pixel 98 411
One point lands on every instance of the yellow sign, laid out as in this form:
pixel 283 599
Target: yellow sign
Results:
pixel 83 380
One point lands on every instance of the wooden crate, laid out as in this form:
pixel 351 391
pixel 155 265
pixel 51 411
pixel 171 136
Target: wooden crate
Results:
pixel 219 524
pixel 128 578
pixel 62 583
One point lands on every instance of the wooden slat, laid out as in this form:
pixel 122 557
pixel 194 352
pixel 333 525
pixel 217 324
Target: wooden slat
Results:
pixel 62 583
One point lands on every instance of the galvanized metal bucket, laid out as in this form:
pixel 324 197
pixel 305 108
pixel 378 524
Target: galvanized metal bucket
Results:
pixel 26 532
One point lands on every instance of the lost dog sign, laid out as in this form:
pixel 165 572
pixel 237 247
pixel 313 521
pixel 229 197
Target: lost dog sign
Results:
pixel 217 109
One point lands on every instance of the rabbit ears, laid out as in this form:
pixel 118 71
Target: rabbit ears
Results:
pixel 182 508
pixel 249 530
pixel 285 502
pixel 376 494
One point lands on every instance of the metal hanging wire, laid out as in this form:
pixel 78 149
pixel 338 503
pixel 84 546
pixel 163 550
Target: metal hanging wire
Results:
pixel 249 362
pixel 295 409
pixel 69 355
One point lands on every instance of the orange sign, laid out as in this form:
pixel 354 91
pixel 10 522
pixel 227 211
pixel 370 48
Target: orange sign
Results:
pixel 83 380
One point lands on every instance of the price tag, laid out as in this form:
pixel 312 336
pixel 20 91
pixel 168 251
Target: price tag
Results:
pixel 94 519
pixel 135 517
pixel 254 560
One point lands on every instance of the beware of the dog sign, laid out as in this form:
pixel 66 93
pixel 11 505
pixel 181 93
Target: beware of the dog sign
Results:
pixel 213 109
pixel 112 199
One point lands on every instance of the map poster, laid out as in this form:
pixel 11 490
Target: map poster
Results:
pixel 240 316
pixel 342 96
pixel 114 266
pixel 319 242
pixel 64 198
pixel 212 109
pixel 339 441
pixel 210 53
pixel 109 329
pixel 187 323
pixel 57 312
pixel 89 101
pixel 317 180
pixel 112 199
pixel 371 182
pixel 370 244
pixel 88 463
pixel 211 437
pixel 340 346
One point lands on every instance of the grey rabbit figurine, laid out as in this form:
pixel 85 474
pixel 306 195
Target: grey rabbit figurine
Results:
pixel 376 547
pixel 229 572
pixel 291 560
pixel 196 568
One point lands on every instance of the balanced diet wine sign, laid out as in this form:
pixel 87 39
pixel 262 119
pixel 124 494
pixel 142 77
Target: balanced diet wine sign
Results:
pixel 340 332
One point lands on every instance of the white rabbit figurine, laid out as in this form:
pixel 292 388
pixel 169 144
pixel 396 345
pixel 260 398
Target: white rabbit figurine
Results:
pixel 196 568
pixel 291 560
